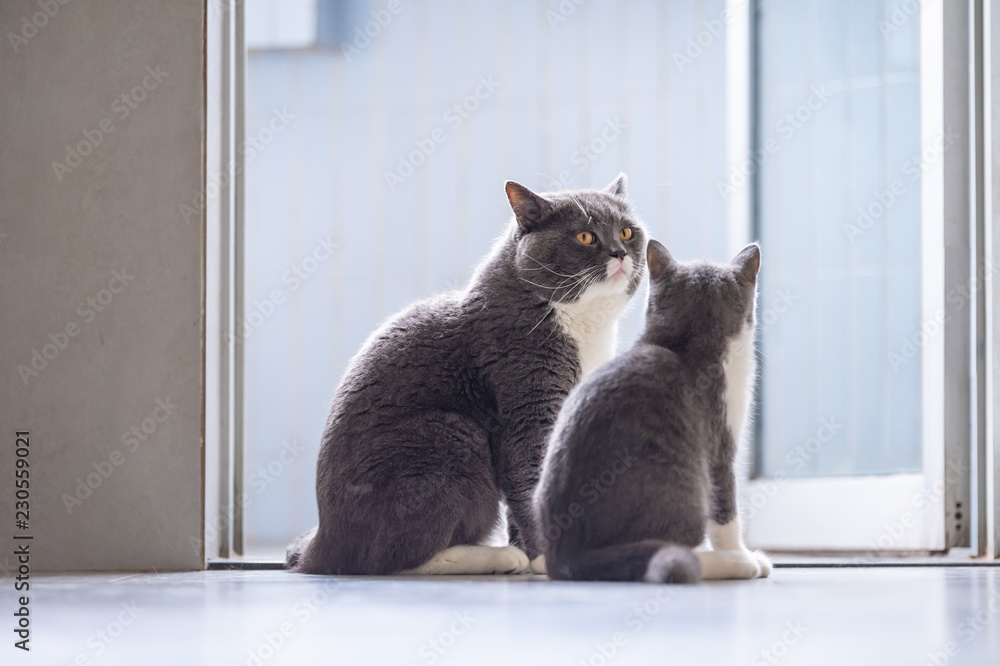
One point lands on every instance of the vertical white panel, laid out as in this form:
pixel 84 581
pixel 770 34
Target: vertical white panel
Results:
pixel 933 260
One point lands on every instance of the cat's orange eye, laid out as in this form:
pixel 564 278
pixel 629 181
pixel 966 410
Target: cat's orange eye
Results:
pixel 585 237
pixel 626 233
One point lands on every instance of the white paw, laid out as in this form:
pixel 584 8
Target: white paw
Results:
pixel 474 561
pixel 764 562
pixel 510 560
pixel 730 564
pixel 745 565
pixel 538 565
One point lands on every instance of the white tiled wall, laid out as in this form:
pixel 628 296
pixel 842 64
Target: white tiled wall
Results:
pixel 560 83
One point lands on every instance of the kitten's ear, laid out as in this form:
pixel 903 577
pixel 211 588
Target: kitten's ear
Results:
pixel 619 187
pixel 658 259
pixel 528 207
pixel 747 262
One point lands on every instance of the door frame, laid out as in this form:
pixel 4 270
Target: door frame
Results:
pixel 225 75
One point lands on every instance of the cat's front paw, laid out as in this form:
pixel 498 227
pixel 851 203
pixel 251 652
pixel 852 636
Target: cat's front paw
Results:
pixel 511 560
pixel 764 562
pixel 538 565
pixel 730 564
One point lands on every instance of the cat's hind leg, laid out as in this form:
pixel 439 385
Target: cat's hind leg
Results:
pixel 474 560
pixel 420 487
pixel 297 547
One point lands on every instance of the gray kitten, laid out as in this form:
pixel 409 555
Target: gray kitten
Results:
pixel 446 409
pixel 642 455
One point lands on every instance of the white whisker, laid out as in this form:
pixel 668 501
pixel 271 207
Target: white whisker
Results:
pixel 577 202
pixel 544 317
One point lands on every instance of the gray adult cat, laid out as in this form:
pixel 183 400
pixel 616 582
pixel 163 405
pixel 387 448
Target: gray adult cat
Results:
pixel 446 409
pixel 642 455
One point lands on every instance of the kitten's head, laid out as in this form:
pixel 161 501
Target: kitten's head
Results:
pixel 700 302
pixel 574 240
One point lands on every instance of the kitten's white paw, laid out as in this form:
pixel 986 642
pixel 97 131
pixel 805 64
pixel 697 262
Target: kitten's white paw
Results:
pixel 730 564
pixel 765 563
pixel 538 565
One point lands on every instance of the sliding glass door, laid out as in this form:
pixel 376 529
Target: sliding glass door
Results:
pixel 861 343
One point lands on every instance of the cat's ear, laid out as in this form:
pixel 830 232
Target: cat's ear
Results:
pixel 747 262
pixel 528 207
pixel 658 259
pixel 618 187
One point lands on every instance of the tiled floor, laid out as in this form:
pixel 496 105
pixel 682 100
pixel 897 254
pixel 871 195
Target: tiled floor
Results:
pixel 912 616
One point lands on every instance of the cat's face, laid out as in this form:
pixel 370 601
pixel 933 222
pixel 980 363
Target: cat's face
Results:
pixel 701 300
pixel 574 242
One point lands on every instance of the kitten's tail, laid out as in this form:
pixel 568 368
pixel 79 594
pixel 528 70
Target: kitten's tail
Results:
pixel 651 561
pixel 297 547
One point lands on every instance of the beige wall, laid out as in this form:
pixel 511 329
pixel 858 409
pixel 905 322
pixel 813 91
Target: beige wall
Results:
pixel 100 272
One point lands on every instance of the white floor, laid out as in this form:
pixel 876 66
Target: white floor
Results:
pixel 912 616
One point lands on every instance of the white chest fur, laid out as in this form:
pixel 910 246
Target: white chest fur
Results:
pixel 592 323
pixel 739 367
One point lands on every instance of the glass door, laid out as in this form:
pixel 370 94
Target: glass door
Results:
pixel 861 342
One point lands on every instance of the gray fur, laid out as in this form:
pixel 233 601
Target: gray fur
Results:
pixel 642 455
pixel 446 409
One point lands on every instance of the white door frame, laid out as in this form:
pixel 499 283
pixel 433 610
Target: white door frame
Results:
pixel 988 463
pixel 224 176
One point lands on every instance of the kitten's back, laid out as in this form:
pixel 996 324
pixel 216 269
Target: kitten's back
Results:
pixel 623 447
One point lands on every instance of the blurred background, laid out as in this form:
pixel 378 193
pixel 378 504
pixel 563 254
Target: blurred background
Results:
pixel 380 135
